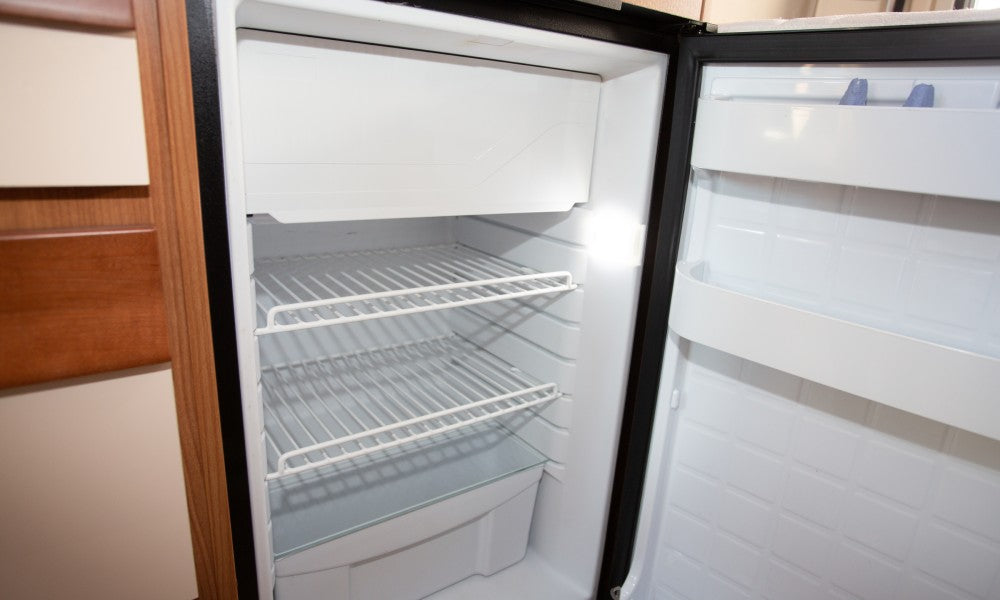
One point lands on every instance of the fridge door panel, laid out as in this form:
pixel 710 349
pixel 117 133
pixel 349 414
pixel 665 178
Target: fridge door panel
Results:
pixel 774 486
pixel 825 414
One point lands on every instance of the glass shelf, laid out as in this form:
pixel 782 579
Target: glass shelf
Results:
pixel 324 504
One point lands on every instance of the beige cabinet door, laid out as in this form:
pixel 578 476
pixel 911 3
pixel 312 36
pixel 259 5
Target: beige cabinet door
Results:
pixel 93 492
pixel 71 108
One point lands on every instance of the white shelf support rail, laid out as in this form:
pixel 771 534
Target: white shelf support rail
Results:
pixel 549 390
pixel 317 291
pixel 272 314
pixel 325 411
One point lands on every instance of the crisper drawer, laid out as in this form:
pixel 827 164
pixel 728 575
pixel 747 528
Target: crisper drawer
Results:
pixel 336 130
pixel 403 525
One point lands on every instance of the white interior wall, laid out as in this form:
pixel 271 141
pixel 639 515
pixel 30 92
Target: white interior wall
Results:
pixel 569 525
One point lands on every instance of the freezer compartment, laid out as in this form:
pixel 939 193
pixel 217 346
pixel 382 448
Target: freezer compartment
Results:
pixel 336 130
pixel 449 537
pixel 787 123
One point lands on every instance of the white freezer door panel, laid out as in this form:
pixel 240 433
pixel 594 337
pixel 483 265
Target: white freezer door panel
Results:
pixel 336 130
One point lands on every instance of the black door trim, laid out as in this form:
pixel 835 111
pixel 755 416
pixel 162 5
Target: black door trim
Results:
pixel 215 231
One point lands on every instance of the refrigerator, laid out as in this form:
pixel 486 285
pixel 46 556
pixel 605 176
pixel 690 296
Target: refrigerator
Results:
pixel 548 300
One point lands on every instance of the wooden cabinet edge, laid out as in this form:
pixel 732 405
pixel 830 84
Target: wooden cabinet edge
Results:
pixel 164 67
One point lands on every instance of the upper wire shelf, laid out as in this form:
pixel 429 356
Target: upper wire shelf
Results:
pixel 328 289
pixel 324 411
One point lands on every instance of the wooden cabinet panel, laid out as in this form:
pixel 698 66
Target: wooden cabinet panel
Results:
pixel 79 302
pixel 71 110
pixel 72 207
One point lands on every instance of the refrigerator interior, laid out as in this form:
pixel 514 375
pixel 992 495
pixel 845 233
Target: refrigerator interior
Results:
pixel 828 424
pixel 432 360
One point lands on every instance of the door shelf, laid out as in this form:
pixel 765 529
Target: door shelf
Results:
pixel 942 151
pixel 953 386
pixel 329 410
pixel 319 290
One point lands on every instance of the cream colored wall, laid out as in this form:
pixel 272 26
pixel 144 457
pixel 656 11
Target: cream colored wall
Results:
pixel 922 5
pixel 730 11
pixel 71 108
pixel 689 9
pixel 848 7
pixel 92 493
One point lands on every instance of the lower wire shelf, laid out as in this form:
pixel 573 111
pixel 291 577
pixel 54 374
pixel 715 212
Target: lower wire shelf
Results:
pixel 326 411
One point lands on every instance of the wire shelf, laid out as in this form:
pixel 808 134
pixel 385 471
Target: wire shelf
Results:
pixel 328 289
pixel 325 411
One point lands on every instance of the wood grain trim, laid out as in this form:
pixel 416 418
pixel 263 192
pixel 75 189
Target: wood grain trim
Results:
pixel 79 302
pixel 106 14
pixel 70 207
pixel 164 67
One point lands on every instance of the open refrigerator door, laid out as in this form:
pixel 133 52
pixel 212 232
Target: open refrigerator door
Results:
pixel 828 424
